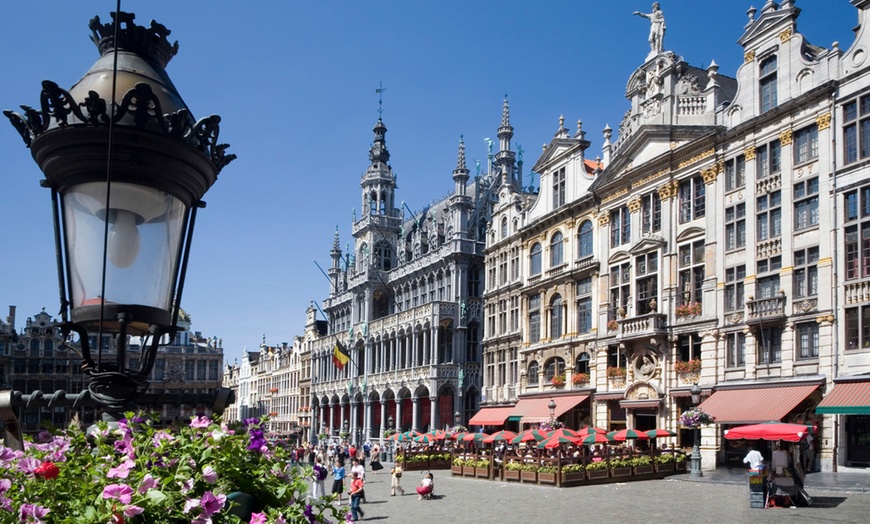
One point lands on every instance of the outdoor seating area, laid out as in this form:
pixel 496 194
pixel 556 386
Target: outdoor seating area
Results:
pixel 558 457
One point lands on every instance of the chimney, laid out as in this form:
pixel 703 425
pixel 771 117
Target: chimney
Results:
pixel 11 318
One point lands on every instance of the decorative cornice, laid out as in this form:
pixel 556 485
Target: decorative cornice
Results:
pixel 711 173
pixel 603 219
pixel 696 158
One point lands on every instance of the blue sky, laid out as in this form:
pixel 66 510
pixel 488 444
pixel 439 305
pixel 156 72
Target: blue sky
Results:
pixel 294 83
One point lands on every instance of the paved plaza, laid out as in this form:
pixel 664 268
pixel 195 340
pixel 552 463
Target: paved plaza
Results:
pixel 716 499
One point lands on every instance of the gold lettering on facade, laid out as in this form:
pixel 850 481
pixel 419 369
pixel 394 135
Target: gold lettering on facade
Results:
pixel 823 121
pixel 785 137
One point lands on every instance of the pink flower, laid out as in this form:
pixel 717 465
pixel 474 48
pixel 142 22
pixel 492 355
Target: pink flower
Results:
pixel 186 485
pixel 258 518
pixel 32 513
pixel 160 436
pixel 131 511
pixel 120 492
pixel 209 474
pixel 148 482
pixel 5 484
pixel 122 471
pixel 28 465
pixel 200 422
pixel 212 503
pixel 189 504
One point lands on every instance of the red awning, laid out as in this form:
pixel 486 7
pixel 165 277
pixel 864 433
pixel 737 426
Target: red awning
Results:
pixel 538 410
pixel 750 405
pixel 493 416
pixel 847 398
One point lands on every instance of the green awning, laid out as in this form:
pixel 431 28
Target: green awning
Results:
pixel 515 418
pixel 847 398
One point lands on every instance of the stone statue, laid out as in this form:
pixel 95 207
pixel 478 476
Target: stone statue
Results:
pixel 488 144
pixel 656 28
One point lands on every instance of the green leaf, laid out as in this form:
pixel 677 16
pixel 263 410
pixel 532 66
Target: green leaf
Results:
pixel 155 496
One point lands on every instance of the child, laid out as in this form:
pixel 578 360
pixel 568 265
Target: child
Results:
pixel 424 490
pixel 338 482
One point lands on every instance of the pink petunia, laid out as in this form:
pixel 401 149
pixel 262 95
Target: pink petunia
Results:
pixel 209 474
pixel 200 422
pixel 189 504
pixel 148 482
pixel 258 518
pixel 131 511
pixel 212 503
pixel 122 470
pixel 120 492
pixel 32 513
pixel 5 484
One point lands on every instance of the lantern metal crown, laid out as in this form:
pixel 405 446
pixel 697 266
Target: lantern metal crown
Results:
pixel 127 165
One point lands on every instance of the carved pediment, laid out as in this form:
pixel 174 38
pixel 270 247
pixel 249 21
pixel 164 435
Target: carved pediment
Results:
pixel 556 150
pixel 618 257
pixel 690 233
pixel 769 23
pixel 647 243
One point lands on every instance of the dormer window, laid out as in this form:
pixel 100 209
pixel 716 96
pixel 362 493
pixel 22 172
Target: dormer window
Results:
pixel 767 84
pixel 559 188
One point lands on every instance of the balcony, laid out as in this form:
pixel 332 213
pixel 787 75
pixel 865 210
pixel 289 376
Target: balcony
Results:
pixel 766 308
pixel 641 326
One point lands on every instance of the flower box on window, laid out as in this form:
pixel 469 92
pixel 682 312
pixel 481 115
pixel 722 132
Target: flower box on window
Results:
pixel 690 309
pixel 688 366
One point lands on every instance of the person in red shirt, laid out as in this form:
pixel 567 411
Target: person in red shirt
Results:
pixel 357 491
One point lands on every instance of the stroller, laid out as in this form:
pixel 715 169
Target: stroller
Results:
pixel 426 490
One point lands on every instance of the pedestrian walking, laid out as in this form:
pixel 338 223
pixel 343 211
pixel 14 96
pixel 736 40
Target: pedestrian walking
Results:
pixel 338 480
pixel 396 481
pixel 357 492
pixel 317 488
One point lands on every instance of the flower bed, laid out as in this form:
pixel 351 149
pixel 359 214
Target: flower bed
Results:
pixel 139 472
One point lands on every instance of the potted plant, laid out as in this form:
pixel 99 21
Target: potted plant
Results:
pixel 580 378
pixel 203 471
pixel 597 470
pixel 456 467
pixel 481 468
pixel 690 309
pixel 547 474
pixel 688 366
pixel 529 473
pixel 558 381
pixel 694 418
pixel 612 325
pixel 620 467
pixel 512 471
pixel 681 462
pixel 664 463
pixel 573 473
pixel 615 372
pixel 642 464
pixel 468 467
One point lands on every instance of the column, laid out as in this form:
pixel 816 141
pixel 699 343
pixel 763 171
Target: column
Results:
pixel 434 356
pixel 415 413
pixel 383 419
pixel 367 421
pixel 398 414
pixel 433 412
pixel 342 417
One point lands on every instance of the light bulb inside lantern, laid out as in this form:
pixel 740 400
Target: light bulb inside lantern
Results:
pixel 124 241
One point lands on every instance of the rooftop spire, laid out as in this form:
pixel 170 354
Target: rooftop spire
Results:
pixel 505 113
pixel 378 151
pixel 460 160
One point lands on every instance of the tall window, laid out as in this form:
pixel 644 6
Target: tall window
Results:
pixel 735 349
pixel 532 375
pixel 690 347
pixel 473 282
pixel 767 84
pixel 806 144
pixel 769 344
pixel 856 129
pixel 691 262
pixel 555 366
pixel 806 203
pixel 735 227
pixel 768 159
pixel 767 281
pixel 556 249
pixel 620 288
pixel 502 317
pixel 651 213
pixel 808 339
pixel 383 258
pixel 502 268
pixel 584 240
pixel 556 310
pixel 734 288
pixel 534 318
pixel 806 274
pixel 559 188
pixel 858 327
pixel 582 365
pixel 692 200
pixel 620 226
pixel 504 228
pixel 769 215
pixel 857 233
pixel 584 305
pixel 535 259
pixel 515 313
pixel 647 280
pixel 735 173
pixel 515 263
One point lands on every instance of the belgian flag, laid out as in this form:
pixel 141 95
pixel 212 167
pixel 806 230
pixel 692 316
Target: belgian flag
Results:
pixel 340 356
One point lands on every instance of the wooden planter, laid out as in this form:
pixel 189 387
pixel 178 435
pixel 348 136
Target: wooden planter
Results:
pixel 468 471
pixel 456 470
pixel 573 477
pixel 529 476
pixel 665 468
pixel 643 470
pixel 620 472
pixel 481 472
pixel 512 475
pixel 547 478
pixel 593 474
pixel 439 464
pixel 682 466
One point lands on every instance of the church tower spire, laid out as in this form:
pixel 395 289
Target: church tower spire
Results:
pixel 505 160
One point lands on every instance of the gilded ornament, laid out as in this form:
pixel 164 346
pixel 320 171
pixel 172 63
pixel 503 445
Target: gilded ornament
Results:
pixel 823 121
pixel 749 153
pixel 785 35
pixel 785 138
pixel 634 204
pixel 749 56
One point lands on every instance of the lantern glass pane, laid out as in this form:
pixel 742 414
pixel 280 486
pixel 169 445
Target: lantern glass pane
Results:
pixel 145 235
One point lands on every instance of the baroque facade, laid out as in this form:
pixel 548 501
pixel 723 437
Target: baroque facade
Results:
pixel 701 249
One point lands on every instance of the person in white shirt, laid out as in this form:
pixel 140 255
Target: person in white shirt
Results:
pixel 360 471
pixel 753 458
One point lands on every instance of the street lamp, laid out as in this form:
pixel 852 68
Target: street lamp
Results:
pixel 696 448
pixel 344 427
pixel 552 407
pixel 457 418
pixel 390 422
pixel 127 165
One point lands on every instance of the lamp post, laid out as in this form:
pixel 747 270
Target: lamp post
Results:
pixel 127 166
pixel 552 407
pixel 457 419
pixel 390 422
pixel 696 448
pixel 345 426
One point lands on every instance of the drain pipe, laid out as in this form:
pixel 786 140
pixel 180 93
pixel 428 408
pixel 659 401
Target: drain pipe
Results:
pixel 835 232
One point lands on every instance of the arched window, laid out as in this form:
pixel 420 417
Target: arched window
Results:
pixel 535 259
pixel 584 240
pixel 554 367
pixel 34 347
pixel 504 230
pixel 48 348
pixel 556 249
pixel 532 374
pixel 556 317
pixel 767 83
pixel 582 365
pixel 383 260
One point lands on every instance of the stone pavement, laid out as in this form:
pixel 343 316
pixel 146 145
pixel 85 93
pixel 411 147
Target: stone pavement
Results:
pixel 716 498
